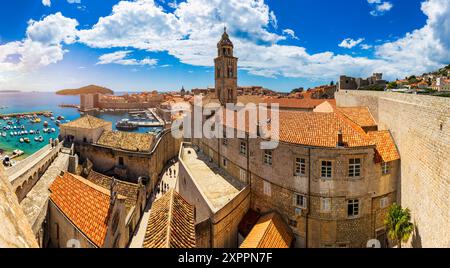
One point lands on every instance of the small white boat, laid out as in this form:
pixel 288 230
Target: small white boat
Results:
pixel 53 130
pixel 21 140
pixel 18 152
pixel 41 139
pixel 36 138
pixel 4 134
pixel 31 131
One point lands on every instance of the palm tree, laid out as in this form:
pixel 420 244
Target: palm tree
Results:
pixel 399 225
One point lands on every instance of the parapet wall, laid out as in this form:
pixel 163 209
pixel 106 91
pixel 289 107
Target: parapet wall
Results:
pixel 15 231
pixel 420 126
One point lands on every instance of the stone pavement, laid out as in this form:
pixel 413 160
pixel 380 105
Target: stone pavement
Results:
pixel 36 200
pixel 165 179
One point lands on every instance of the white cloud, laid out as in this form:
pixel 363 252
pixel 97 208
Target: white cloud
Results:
pixel 190 33
pixel 290 33
pixel 46 3
pixel 350 43
pixel 119 57
pixel 74 1
pixel 52 30
pixel 379 7
pixel 366 46
pixel 424 49
pixel 42 45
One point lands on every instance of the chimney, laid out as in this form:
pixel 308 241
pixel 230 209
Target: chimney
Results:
pixel 340 142
pixel 113 191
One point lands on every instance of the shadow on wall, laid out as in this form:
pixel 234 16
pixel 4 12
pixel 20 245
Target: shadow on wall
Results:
pixel 416 239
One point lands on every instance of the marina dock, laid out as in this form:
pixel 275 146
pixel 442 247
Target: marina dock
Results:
pixel 69 106
pixel 25 114
pixel 150 113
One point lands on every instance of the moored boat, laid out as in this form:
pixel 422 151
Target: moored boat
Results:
pixel 126 125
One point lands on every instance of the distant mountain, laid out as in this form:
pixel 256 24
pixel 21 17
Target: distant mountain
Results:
pixel 85 90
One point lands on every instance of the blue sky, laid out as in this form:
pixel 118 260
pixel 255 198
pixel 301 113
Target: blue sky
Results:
pixel 163 44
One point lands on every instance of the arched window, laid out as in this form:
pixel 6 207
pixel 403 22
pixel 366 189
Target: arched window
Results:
pixel 230 71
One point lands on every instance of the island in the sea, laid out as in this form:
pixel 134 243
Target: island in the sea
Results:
pixel 9 91
pixel 91 89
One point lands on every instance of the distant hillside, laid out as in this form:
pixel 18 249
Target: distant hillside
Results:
pixel 85 90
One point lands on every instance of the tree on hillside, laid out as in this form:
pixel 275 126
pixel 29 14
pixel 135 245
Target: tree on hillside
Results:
pixel 399 225
pixel 332 83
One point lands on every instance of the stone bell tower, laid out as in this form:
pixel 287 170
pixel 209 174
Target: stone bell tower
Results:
pixel 226 71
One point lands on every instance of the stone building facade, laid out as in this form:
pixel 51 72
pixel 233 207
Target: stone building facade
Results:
pixel 420 126
pixel 316 208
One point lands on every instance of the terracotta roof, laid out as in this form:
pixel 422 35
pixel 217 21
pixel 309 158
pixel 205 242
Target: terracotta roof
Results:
pixel 85 204
pixel 171 223
pixel 127 189
pixel 385 146
pixel 135 142
pixel 313 129
pixel 359 115
pixel 292 103
pixel 269 232
pixel 87 121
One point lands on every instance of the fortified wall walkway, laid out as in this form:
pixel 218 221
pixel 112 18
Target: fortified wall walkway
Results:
pixel 34 205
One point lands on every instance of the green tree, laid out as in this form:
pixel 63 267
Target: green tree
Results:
pixel 392 85
pixel 399 225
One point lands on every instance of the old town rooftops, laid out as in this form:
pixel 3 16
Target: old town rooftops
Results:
pixel 269 232
pixel 87 122
pixel 133 142
pixel 171 223
pixel 85 204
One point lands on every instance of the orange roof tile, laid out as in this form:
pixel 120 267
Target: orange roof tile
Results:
pixel 85 204
pixel 127 189
pixel 321 130
pixel 359 115
pixel 171 223
pixel 292 103
pixel 312 129
pixel 385 146
pixel 269 232
pixel 128 141
pixel 87 121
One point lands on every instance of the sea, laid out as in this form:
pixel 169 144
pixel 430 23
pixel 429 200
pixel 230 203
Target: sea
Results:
pixel 22 102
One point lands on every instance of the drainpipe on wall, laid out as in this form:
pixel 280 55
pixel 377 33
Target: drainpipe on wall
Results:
pixel 309 198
